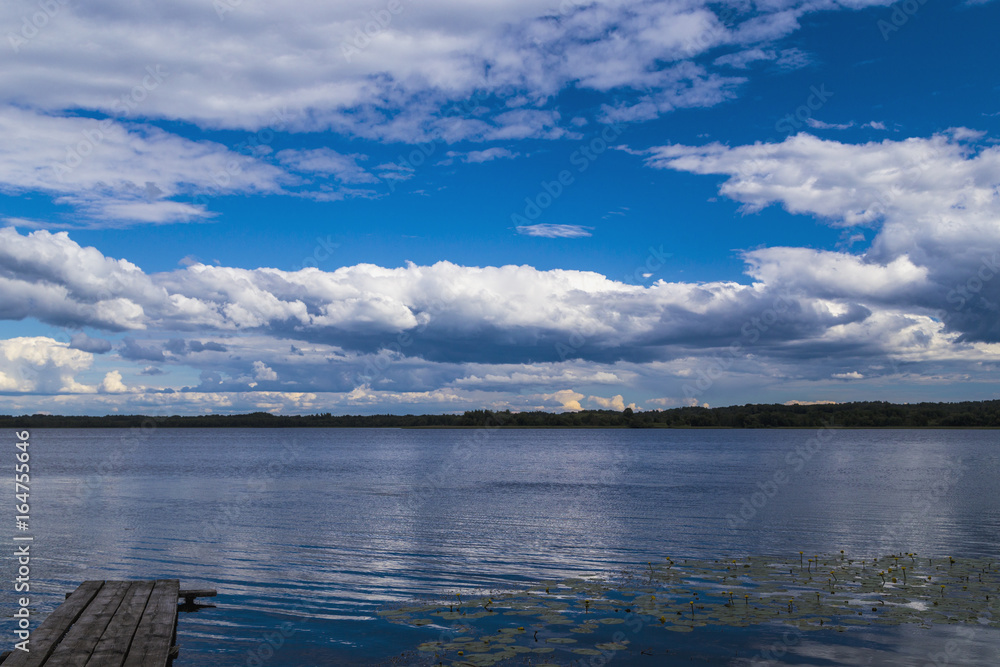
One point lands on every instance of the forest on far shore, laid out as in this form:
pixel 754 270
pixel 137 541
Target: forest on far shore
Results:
pixel 867 414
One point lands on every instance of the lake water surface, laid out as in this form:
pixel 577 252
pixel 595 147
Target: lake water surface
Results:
pixel 314 530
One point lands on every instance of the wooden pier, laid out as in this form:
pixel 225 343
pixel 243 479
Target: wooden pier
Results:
pixel 109 624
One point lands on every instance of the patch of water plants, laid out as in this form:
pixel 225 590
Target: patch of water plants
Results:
pixel 558 621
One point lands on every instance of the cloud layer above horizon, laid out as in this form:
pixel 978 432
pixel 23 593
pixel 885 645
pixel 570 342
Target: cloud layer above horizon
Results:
pixel 914 306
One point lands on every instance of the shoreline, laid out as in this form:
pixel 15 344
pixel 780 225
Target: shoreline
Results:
pixel 853 415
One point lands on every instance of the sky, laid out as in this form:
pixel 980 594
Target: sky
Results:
pixel 429 206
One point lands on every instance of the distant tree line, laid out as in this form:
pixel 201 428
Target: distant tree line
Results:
pixel 869 414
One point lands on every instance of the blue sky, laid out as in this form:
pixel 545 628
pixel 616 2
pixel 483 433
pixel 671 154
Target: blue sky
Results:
pixel 394 206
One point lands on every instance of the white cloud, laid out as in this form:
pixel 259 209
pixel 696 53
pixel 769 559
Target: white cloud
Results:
pixel 820 125
pixel 915 188
pixel 467 314
pixel 934 201
pixel 837 274
pixel 613 403
pixel 394 172
pixel 116 173
pixel 109 170
pixel 438 70
pixel 791 59
pixel 785 58
pixel 567 399
pixel 964 133
pixel 262 372
pixel 112 383
pixel 343 167
pixel 64 284
pixel 685 85
pixel 810 175
pixel 523 375
pixel 258 60
pixel 553 231
pixel 486 155
pixel 743 59
pixel 41 364
pixel 853 375
pixel 668 402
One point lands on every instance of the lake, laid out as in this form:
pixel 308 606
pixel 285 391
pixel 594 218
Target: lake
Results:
pixel 308 533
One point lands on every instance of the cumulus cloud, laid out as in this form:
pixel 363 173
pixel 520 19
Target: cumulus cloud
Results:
pixel 71 285
pixel 810 175
pixel 613 403
pixel 130 349
pixel 566 399
pixel 934 201
pixel 81 341
pixel 112 383
pixel 41 364
pixel 919 302
pixel 180 346
pixel 262 372
pixel 451 313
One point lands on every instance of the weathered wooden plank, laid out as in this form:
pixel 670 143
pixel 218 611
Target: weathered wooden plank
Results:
pixel 78 644
pixel 190 595
pixel 114 644
pixel 46 636
pixel 110 624
pixel 155 635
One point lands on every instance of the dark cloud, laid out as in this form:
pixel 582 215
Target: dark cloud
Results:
pixel 81 341
pixel 209 346
pixel 176 345
pixel 130 349
pixel 180 347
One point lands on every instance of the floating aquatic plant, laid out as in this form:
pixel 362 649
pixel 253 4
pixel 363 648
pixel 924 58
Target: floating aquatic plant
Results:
pixel 682 595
